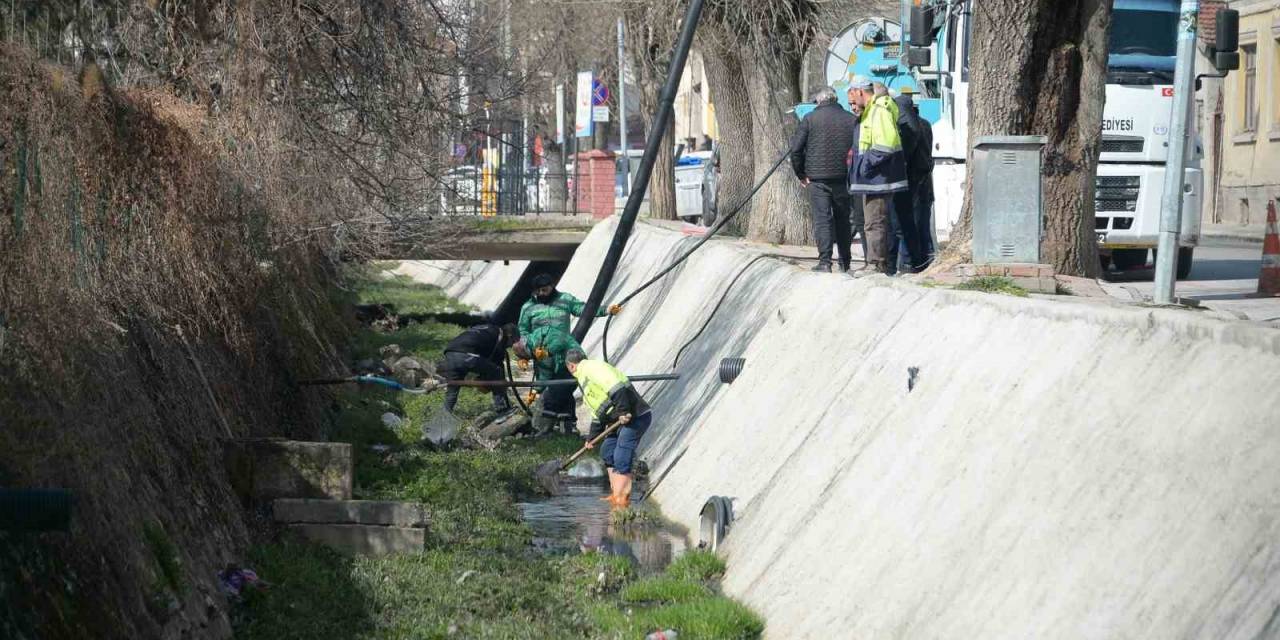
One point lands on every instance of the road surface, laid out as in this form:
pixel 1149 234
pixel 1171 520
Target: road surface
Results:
pixel 1223 277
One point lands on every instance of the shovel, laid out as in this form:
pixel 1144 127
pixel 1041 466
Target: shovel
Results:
pixel 548 473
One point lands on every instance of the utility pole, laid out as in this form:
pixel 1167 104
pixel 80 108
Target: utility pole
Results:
pixel 652 147
pixel 1171 202
pixel 622 109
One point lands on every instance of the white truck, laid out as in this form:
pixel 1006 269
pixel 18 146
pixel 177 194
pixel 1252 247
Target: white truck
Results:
pixel 1135 127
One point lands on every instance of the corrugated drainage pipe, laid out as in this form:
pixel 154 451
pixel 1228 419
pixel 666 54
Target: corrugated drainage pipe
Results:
pixel 717 517
pixel 730 368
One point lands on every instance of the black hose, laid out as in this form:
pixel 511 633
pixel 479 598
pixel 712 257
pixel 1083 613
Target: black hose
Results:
pixel 506 356
pixel 653 146
pixel 706 323
pixel 720 224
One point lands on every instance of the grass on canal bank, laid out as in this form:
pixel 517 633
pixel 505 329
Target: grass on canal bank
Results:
pixel 478 577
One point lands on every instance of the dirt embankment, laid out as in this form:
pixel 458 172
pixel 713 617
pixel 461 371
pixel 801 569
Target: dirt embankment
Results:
pixel 149 304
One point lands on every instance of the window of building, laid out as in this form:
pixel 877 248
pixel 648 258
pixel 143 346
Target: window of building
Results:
pixel 1275 84
pixel 1250 87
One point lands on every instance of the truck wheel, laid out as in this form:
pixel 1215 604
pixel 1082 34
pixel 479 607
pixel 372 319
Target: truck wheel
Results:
pixel 1185 256
pixel 1126 259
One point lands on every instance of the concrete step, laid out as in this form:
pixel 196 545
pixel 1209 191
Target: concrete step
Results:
pixel 263 469
pixel 363 539
pixel 370 512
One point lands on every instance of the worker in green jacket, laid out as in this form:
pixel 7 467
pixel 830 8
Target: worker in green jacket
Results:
pixel 549 310
pixel 612 399
pixel 544 349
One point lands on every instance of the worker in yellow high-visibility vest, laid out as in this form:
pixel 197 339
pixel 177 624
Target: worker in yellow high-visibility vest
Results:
pixel 612 398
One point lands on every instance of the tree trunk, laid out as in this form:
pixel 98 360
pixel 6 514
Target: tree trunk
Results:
pixel 780 213
pixel 662 183
pixel 727 84
pixel 1039 68
pixel 649 53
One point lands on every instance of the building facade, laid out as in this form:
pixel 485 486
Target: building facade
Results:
pixel 1240 123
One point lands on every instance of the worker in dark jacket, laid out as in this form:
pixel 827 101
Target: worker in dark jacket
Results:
pixel 819 151
pixel 905 246
pixel 920 180
pixel 612 398
pixel 480 350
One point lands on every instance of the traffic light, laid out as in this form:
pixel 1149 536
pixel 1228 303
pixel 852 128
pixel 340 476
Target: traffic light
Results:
pixel 1226 42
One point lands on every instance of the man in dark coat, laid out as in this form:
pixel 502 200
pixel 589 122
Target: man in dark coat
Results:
pixel 819 152
pixel 480 350
pixel 912 208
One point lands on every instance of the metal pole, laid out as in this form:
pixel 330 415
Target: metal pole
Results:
pixel 652 147
pixel 1171 201
pixel 622 109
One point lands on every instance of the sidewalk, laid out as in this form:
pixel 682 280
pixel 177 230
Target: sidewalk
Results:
pixel 1233 233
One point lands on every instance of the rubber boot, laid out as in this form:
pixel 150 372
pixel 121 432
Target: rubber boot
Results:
pixel 622 495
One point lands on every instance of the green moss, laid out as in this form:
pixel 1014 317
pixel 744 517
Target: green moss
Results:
pixel 696 565
pixel 633 518
pixel 664 589
pixel 375 284
pixel 477 577
pixel 993 284
pixel 709 618
pixel 166 556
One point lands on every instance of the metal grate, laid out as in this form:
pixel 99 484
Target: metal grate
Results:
pixel 1117 193
pixel 1122 144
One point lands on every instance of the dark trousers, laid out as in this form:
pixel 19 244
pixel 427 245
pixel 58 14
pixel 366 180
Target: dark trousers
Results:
pixel 619 449
pixel 905 248
pixel 922 206
pixel 458 365
pixel 830 201
pixel 557 401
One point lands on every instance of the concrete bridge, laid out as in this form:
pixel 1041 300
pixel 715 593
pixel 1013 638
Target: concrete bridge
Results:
pixel 531 238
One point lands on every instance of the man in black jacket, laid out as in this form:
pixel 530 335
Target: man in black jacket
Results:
pixel 819 152
pixel 911 208
pixel 480 350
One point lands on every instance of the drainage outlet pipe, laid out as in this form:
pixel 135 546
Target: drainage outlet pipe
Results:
pixel 35 509
pixel 717 517
pixel 730 368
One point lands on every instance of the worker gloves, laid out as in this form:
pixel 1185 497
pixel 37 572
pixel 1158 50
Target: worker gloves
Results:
pixel 615 309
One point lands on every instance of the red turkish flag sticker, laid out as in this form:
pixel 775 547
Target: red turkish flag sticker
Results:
pixel 1167 92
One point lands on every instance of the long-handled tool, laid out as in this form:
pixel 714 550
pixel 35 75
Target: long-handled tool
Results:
pixel 548 472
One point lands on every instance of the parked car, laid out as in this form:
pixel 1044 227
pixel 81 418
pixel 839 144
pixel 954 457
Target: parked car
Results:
pixel 460 191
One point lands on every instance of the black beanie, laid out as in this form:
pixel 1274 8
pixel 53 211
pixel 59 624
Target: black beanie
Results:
pixel 543 280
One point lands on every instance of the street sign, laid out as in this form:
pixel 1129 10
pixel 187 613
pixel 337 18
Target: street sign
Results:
pixel 599 93
pixel 559 114
pixel 582 106
pixel 599 114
